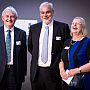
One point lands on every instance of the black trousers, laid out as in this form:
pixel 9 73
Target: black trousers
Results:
pixel 8 82
pixel 43 80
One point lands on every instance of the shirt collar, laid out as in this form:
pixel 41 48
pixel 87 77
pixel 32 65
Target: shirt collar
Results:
pixel 48 24
pixel 5 28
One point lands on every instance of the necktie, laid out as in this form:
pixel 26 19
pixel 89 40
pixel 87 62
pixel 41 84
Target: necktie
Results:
pixel 44 55
pixel 8 46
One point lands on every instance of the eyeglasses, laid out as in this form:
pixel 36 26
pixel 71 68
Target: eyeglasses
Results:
pixel 76 23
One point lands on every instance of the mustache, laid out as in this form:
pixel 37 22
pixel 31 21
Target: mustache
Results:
pixel 9 21
pixel 46 17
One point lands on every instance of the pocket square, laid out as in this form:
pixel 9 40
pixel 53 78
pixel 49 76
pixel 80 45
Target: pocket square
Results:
pixel 18 42
pixel 58 38
pixel 67 47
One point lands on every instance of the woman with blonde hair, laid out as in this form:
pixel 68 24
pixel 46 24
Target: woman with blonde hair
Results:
pixel 75 56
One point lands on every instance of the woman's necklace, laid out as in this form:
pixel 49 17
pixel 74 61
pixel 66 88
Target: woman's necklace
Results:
pixel 78 39
pixel 74 41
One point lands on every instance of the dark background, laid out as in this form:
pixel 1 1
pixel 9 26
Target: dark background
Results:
pixel 65 11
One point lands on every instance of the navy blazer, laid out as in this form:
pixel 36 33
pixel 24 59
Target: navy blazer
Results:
pixel 19 54
pixel 59 30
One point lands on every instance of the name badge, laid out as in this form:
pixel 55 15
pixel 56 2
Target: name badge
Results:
pixel 18 42
pixel 58 38
pixel 67 47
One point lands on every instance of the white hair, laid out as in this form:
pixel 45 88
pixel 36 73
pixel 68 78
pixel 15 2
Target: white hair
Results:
pixel 10 8
pixel 46 4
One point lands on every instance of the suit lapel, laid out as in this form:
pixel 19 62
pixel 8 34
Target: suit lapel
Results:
pixel 2 38
pixel 38 34
pixel 15 36
pixel 39 29
pixel 54 30
pixel 2 41
pixel 54 35
pixel 15 39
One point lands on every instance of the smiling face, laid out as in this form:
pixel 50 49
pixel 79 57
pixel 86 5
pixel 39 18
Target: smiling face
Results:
pixel 9 19
pixel 76 27
pixel 46 14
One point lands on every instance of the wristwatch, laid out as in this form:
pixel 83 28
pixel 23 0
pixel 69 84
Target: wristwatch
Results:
pixel 80 69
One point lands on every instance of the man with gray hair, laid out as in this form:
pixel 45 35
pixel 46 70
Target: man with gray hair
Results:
pixel 13 52
pixel 45 43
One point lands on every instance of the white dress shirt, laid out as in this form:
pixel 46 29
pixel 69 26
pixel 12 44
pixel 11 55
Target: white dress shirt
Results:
pixel 48 63
pixel 12 42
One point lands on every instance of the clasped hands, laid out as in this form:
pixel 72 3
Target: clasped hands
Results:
pixel 65 75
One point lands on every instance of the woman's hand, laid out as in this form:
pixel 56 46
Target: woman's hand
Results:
pixel 73 72
pixel 64 75
pixel 62 70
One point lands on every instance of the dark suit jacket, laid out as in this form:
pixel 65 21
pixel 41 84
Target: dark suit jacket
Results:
pixel 59 30
pixel 19 54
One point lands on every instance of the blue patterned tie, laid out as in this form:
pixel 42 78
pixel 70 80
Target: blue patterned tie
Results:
pixel 44 55
pixel 8 46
